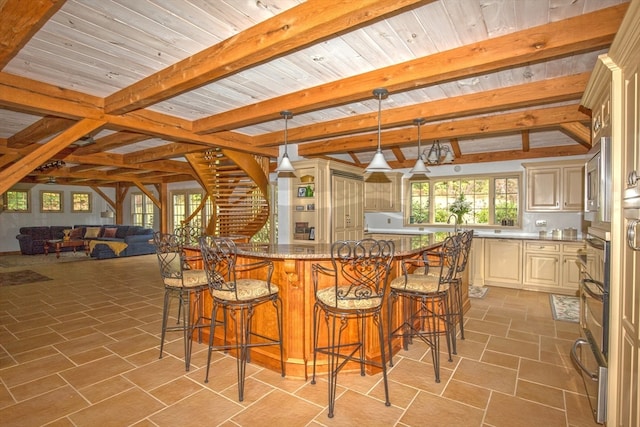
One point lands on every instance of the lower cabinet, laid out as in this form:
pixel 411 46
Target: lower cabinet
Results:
pixel 548 266
pixel 551 266
pixel 503 262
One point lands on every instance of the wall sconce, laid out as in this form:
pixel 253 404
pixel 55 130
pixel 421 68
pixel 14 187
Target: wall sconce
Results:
pixel 108 213
pixel 285 164
pixel 378 163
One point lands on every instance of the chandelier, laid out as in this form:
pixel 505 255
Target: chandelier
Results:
pixel 439 154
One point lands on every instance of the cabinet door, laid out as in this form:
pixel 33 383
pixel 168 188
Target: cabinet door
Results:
pixel 347 209
pixel 476 262
pixel 543 189
pixel 382 192
pixel 503 262
pixel 542 269
pixel 573 188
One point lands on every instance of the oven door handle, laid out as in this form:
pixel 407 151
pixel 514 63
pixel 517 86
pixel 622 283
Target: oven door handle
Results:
pixel 585 286
pixel 574 355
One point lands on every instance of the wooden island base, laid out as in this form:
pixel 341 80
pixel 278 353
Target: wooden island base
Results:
pixel 292 274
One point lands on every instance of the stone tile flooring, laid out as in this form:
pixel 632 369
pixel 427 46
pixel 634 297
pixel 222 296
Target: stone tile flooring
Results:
pixel 82 350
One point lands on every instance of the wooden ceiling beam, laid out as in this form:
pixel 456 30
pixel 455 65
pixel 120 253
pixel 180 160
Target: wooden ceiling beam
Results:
pixel 14 173
pixel 579 132
pixel 43 128
pixel 109 142
pixel 23 94
pixel 503 123
pixel 20 20
pixel 528 95
pixel 582 33
pixel 286 32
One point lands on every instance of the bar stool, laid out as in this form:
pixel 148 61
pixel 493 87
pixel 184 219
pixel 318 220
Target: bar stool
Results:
pixel 426 303
pixel 358 278
pixel 184 285
pixel 464 241
pixel 239 297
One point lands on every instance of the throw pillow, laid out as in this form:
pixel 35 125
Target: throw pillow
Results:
pixel 92 232
pixel 76 233
pixel 110 232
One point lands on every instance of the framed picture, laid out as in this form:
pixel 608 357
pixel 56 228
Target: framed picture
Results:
pixel 311 207
pixel 299 208
pixel 312 233
pixel 302 191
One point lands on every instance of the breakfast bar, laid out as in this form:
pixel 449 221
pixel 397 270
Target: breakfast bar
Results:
pixel 292 274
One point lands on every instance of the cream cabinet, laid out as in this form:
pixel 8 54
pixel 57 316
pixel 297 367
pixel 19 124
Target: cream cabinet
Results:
pixel 555 187
pixel 476 262
pixel 551 266
pixel 382 192
pixel 347 213
pixel 326 202
pixel 503 262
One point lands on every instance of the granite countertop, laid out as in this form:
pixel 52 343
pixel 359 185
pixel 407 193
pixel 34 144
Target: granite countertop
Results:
pixel 404 246
pixel 491 234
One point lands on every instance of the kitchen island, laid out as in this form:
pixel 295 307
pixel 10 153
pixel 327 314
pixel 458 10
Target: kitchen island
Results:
pixel 292 274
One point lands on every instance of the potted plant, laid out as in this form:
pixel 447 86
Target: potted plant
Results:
pixel 460 207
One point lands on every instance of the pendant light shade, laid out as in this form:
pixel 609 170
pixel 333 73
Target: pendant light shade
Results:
pixel 378 163
pixel 419 168
pixel 285 164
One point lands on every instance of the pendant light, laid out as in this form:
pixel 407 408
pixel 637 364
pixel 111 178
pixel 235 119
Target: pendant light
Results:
pixel 285 163
pixel 419 168
pixel 378 163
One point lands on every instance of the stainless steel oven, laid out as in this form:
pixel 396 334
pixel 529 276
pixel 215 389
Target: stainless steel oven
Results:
pixel 590 351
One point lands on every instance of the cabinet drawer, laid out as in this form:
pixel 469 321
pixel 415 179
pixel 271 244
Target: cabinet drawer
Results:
pixel 569 248
pixel 541 247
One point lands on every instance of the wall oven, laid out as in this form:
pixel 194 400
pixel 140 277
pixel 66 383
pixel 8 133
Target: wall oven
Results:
pixel 597 182
pixel 589 352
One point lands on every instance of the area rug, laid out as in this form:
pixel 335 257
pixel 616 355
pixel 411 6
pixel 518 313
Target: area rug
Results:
pixel 21 277
pixel 477 291
pixel 564 307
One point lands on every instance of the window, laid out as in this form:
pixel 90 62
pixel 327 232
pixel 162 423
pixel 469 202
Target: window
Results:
pixel 486 200
pixel 185 203
pixel 80 202
pixel 141 210
pixel 17 201
pixel 51 201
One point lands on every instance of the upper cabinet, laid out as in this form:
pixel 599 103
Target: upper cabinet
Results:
pixel 382 192
pixel 555 187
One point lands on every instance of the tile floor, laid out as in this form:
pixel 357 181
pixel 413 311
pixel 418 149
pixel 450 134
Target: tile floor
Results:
pixel 82 350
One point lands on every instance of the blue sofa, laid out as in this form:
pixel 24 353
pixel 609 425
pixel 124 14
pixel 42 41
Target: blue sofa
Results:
pixel 31 239
pixel 138 239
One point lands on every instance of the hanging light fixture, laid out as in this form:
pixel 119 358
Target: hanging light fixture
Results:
pixel 285 163
pixel 378 163
pixel 439 154
pixel 419 168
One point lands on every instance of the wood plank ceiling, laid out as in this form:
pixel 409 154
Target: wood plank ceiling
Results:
pixel 120 90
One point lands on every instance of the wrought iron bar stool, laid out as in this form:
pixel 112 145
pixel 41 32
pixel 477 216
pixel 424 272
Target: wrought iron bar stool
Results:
pixel 239 296
pixel 186 285
pixel 358 279
pixel 426 302
pixel 464 240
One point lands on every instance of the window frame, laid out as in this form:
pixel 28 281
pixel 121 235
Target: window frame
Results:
pixel 5 200
pixel 147 217
pixel 60 195
pixel 89 195
pixel 491 199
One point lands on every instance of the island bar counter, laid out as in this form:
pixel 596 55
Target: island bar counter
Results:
pixel 292 275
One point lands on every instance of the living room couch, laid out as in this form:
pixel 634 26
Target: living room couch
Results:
pixel 108 240
pixel 32 239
